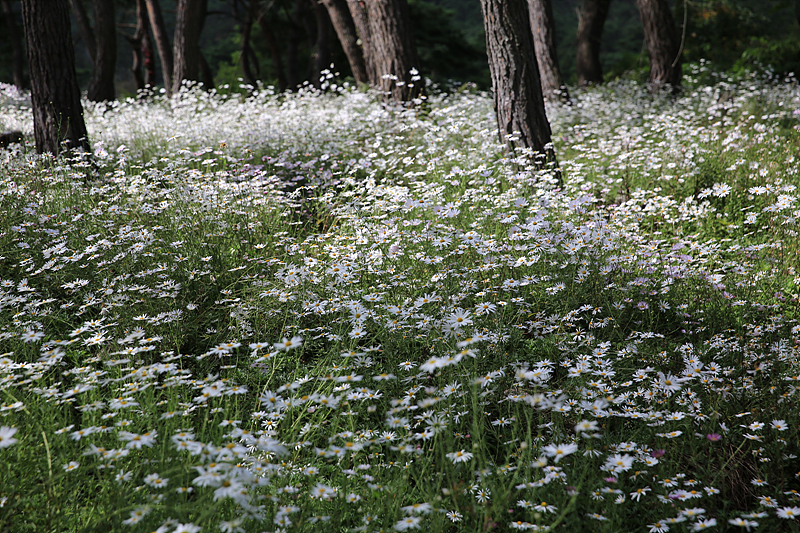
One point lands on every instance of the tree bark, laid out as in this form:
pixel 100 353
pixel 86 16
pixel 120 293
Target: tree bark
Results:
pixel 17 49
pixel 84 27
pixel 346 32
pixel 321 58
pixel 55 96
pixel 277 60
pixel 143 66
pixel 246 52
pixel 162 42
pixel 591 19
pixel 186 44
pixel 392 49
pixel 358 12
pixel 101 85
pixel 518 100
pixel 293 44
pixel 663 44
pixel 543 26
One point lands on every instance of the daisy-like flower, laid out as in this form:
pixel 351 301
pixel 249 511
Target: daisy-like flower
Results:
pixel 545 507
pixel 7 436
pixel 741 522
pixel 618 463
pixel 72 465
pixel 459 318
pixel 417 508
pixel 461 456
pixel 409 522
pixel 790 513
pixel 702 525
pixel 559 451
pixel 780 425
pixel 287 344
pixel 32 336
pixel 156 481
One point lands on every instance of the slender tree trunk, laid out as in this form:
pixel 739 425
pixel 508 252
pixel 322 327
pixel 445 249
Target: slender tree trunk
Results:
pixel 275 51
pixel 518 100
pixel 55 96
pixel 84 27
pixel 322 50
pixel 392 49
pixel 663 44
pixel 543 26
pixel 358 12
pixel 346 31
pixel 143 67
pixel 246 51
pixel 206 76
pixel 293 44
pixel 186 44
pixel 591 19
pixel 162 42
pixel 101 85
pixel 17 49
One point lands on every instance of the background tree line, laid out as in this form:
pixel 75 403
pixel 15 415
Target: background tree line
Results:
pixel 449 37
pixel 379 39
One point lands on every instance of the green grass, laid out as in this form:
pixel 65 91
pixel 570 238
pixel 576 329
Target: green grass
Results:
pixel 473 348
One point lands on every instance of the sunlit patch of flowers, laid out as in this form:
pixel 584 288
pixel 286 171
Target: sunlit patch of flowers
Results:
pixel 293 312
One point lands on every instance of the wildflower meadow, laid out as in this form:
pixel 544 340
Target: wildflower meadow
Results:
pixel 260 312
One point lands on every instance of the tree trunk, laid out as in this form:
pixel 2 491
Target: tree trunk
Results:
pixel 591 19
pixel 162 42
pixel 186 44
pixel 358 12
pixel 277 60
pixel 55 96
pixel 663 44
pixel 346 31
pixel 101 85
pixel 17 49
pixel 293 44
pixel 322 49
pixel 143 67
pixel 206 76
pixel 246 52
pixel 518 100
pixel 392 49
pixel 84 27
pixel 543 26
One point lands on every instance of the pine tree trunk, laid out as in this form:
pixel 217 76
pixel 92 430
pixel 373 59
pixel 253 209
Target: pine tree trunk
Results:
pixel 663 44
pixel 543 26
pixel 392 49
pixel 149 63
pixel 186 44
pixel 55 96
pixel 293 44
pixel 246 51
pixel 591 19
pixel 101 85
pixel 358 12
pixel 275 51
pixel 17 49
pixel 518 100
pixel 162 42
pixel 346 31
pixel 322 49
pixel 84 27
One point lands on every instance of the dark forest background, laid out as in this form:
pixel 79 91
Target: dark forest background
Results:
pixel 731 34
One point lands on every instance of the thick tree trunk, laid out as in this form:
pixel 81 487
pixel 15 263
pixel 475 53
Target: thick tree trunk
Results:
pixel 358 12
pixel 162 42
pixel 17 49
pixel 591 19
pixel 275 51
pixel 663 44
pixel 101 85
pixel 543 26
pixel 321 58
pixel 518 100
pixel 346 31
pixel 186 44
pixel 55 96
pixel 84 27
pixel 392 49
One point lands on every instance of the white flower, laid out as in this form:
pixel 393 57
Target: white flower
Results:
pixel 789 512
pixel 559 451
pixel 409 522
pixel 7 436
pixel 460 457
pixel 287 344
